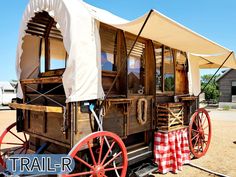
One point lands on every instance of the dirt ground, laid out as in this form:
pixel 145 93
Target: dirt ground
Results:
pixel 221 156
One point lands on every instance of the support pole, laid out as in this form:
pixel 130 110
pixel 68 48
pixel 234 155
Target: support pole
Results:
pixel 215 73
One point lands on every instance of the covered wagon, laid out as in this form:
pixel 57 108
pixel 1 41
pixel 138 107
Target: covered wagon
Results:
pixel 102 89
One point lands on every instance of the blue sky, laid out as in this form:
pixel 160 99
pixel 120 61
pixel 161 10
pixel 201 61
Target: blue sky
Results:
pixel 213 19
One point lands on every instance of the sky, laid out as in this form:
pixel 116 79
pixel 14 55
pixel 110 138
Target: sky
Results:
pixel 214 19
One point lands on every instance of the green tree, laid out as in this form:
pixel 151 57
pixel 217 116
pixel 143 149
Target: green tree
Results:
pixel 211 90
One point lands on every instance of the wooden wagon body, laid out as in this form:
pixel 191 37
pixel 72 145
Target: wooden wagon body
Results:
pixel 151 90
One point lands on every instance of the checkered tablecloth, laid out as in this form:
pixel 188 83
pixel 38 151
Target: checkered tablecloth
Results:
pixel 171 150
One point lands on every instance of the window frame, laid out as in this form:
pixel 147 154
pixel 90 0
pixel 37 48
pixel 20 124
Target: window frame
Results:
pixel 47 59
pixel 115 50
pixel 132 37
pixel 173 51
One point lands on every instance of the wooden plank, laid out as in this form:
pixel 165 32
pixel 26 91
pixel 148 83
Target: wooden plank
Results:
pixel 188 98
pixel 47 80
pixel 109 73
pixel 38 108
pixel 52 73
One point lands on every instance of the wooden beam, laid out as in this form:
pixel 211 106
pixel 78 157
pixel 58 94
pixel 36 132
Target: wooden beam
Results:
pixel 39 108
pixel 46 80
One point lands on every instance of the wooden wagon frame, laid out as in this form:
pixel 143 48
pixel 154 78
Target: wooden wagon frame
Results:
pixel 99 85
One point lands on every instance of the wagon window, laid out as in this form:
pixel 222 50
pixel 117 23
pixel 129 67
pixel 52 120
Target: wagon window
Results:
pixel 158 55
pixel 108 48
pixel 169 84
pixel 136 65
pixel 42 56
pixel 57 54
pixel 181 73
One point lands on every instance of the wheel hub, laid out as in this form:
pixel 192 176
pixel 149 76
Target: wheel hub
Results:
pixel 98 171
pixel 201 133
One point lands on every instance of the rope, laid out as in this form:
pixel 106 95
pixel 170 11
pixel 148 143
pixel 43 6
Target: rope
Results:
pixel 142 114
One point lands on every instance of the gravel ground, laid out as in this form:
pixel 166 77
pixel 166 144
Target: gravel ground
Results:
pixel 221 156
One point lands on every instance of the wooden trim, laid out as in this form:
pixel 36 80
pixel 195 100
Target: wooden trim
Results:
pixel 48 139
pixel 163 68
pixel 51 73
pixel 174 53
pixel 106 73
pixel 39 108
pixel 47 54
pixel 133 37
pixel 47 80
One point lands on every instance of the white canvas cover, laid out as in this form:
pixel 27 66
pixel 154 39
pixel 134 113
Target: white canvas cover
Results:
pixel 79 23
pixel 82 77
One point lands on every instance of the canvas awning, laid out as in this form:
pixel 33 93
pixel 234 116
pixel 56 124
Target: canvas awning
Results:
pixel 168 32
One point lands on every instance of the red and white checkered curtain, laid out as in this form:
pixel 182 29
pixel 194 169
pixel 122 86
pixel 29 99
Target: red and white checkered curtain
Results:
pixel 171 150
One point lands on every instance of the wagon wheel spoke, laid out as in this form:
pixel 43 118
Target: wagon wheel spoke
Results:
pixel 117 155
pixel 16 136
pixel 100 150
pixel 109 150
pixel 202 144
pixel 91 153
pixel 83 162
pixel 114 168
pixel 22 150
pixel 8 143
pixel 18 149
pixel 25 137
pixel 197 135
pixel 203 123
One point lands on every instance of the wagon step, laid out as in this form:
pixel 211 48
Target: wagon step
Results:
pixel 139 154
pixel 146 171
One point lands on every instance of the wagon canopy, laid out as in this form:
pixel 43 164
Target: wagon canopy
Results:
pixel 79 26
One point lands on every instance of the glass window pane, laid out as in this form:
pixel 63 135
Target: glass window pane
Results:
pixel 42 57
pixel 57 54
pixel 169 84
pixel 108 47
pixel 136 65
pixel 181 73
pixel 158 54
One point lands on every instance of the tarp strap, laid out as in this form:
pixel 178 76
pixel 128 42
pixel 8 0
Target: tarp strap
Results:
pixel 215 73
pixel 118 73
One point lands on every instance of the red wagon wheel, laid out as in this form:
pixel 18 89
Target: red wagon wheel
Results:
pixel 107 158
pixel 12 143
pixel 200 133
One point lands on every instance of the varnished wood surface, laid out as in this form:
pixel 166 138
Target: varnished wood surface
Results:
pixel 46 80
pixel 38 108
